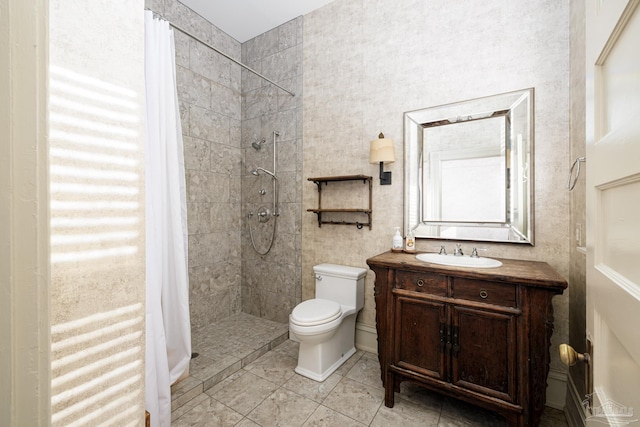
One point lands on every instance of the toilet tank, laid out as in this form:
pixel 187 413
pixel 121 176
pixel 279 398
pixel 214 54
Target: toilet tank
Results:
pixel 340 283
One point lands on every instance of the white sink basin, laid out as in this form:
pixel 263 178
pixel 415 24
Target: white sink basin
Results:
pixel 459 261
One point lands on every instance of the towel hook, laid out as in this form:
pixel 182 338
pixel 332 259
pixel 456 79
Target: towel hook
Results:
pixel 576 162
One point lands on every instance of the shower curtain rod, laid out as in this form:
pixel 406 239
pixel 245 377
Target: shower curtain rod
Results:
pixel 246 67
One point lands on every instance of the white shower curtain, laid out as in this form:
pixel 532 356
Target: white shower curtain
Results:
pixel 168 331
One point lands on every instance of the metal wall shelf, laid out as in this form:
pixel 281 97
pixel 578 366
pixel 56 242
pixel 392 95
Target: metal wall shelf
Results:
pixel 320 210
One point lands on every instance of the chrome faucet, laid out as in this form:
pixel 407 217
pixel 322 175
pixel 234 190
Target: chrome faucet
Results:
pixel 443 251
pixel 458 250
pixel 474 253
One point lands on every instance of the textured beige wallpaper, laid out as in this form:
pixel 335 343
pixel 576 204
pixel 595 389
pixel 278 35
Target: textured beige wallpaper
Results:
pixel 365 63
pixel 97 96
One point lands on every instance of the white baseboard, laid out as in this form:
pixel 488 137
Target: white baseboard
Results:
pixel 556 389
pixel 575 412
pixel 366 338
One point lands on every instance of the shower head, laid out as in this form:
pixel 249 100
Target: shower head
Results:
pixel 257 171
pixel 257 144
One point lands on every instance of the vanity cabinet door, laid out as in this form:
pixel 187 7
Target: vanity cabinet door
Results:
pixel 484 352
pixel 420 334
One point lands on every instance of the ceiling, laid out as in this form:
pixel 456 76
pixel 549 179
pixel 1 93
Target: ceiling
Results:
pixel 245 19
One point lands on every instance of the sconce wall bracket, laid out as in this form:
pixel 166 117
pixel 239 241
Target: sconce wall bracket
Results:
pixel 385 177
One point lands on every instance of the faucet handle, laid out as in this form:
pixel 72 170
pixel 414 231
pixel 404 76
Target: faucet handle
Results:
pixel 474 252
pixel 458 250
pixel 443 251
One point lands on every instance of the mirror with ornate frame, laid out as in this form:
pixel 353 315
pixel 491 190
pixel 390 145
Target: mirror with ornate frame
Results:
pixel 469 169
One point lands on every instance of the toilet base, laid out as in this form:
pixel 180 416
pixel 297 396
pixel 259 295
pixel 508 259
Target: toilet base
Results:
pixel 324 375
pixel 318 361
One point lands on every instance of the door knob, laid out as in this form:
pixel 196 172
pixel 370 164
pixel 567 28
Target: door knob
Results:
pixel 569 356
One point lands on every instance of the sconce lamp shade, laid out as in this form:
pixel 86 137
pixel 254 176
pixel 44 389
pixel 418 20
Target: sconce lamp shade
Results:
pixel 381 151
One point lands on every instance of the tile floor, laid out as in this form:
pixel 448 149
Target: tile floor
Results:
pixel 244 377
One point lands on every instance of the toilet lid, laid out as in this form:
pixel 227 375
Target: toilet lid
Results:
pixel 315 312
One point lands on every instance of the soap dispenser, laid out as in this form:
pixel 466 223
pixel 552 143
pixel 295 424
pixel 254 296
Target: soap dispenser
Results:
pixel 397 241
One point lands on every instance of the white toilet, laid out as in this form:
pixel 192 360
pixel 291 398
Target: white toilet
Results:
pixel 325 326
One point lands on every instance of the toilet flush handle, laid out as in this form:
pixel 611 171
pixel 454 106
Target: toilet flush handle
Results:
pixel 318 278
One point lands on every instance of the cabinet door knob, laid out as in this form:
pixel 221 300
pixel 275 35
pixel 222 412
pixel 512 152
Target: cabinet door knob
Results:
pixel 420 282
pixel 484 294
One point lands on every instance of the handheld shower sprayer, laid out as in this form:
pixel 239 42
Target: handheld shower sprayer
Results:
pixel 257 171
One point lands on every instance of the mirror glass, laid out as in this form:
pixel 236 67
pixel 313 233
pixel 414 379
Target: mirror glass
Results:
pixel 469 169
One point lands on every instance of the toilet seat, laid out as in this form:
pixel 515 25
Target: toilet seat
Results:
pixel 315 312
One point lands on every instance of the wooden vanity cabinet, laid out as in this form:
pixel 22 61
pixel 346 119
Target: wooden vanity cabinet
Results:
pixel 479 335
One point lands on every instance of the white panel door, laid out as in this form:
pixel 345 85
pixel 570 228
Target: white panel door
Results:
pixel 613 209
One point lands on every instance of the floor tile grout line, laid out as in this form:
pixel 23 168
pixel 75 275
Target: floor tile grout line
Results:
pixel 342 378
pixel 275 344
pixel 320 404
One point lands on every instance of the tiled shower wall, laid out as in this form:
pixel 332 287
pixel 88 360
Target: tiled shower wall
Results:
pixel 210 103
pixel 271 283
pixel 223 110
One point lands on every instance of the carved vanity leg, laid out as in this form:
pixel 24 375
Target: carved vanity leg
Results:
pixel 389 390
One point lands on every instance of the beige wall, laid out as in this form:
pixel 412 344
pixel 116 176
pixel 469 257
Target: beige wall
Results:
pixel 365 63
pixel 96 162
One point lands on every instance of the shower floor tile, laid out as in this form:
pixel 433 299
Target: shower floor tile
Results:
pixel 223 349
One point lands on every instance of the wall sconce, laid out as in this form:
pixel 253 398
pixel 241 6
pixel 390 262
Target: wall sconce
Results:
pixel 381 151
